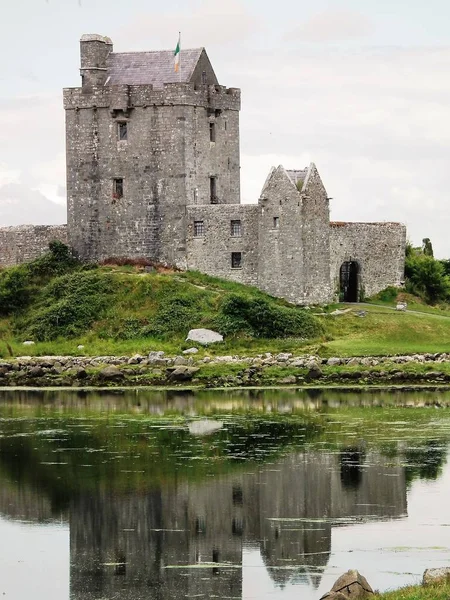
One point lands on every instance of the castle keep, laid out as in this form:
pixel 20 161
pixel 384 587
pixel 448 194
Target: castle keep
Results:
pixel 153 171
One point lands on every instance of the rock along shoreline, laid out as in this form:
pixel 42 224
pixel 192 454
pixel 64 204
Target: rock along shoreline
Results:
pixel 283 369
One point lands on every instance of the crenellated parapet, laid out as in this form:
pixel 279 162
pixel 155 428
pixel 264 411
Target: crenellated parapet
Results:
pixel 125 97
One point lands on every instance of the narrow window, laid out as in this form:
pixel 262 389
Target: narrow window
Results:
pixel 212 132
pixel 195 195
pixel 276 222
pixel 204 77
pixel 215 559
pixel 199 229
pixel 238 496
pixel 121 565
pixel 213 190
pixel 236 228
pixel 200 525
pixel 122 131
pixel 225 125
pixel 118 188
pixel 229 163
pixel 236 263
pixel 237 527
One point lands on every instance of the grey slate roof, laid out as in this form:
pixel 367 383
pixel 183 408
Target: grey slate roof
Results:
pixel 156 67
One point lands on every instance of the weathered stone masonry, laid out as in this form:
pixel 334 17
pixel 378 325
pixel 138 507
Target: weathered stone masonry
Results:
pixel 153 171
pixel 26 242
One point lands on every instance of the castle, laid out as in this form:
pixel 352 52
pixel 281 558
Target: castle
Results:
pixel 153 170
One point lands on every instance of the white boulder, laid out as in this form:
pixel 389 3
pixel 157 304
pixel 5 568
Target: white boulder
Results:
pixel 204 336
pixel 204 427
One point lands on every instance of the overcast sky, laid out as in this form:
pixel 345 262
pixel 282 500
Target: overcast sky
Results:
pixel 360 88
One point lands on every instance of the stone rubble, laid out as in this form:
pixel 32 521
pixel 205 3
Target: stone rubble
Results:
pixel 303 369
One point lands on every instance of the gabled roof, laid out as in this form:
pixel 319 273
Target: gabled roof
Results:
pixel 297 174
pixel 156 67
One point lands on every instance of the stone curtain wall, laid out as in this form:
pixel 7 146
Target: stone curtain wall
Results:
pixel 379 249
pixel 27 242
pixel 211 253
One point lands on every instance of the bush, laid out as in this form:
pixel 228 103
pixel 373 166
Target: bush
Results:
pixel 57 261
pixel 425 277
pixel 15 289
pixel 68 306
pixel 260 318
pixel 389 294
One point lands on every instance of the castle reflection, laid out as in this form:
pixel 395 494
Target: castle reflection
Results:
pixel 185 533
pixel 135 545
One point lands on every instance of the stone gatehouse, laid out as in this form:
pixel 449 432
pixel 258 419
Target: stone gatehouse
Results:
pixel 153 171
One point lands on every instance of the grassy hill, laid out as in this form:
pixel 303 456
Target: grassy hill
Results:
pixel 60 304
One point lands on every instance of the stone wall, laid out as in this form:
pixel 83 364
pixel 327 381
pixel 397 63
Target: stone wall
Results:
pixel 27 242
pixel 378 248
pixel 280 251
pixel 211 252
pixel 316 239
pixel 294 250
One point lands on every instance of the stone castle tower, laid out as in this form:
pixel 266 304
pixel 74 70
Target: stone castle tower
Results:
pixel 153 172
pixel 144 142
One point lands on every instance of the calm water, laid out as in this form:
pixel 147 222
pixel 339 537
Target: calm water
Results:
pixel 153 495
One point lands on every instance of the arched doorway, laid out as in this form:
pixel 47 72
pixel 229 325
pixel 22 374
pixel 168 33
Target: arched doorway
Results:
pixel 349 281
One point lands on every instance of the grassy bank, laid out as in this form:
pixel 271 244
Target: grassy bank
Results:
pixel 438 592
pixel 384 331
pixel 119 310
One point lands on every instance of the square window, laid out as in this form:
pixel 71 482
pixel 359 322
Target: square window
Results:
pixel 236 260
pixel 199 229
pixel 236 228
pixel 276 222
pixel 122 131
pixel 118 188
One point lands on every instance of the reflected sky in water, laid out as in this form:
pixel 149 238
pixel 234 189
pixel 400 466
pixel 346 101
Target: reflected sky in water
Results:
pixel 230 495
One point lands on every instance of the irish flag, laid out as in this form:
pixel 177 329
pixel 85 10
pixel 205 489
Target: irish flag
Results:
pixel 176 55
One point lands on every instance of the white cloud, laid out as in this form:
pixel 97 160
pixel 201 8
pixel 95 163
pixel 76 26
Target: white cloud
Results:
pixel 8 175
pixel 333 26
pixel 49 176
pixel 202 23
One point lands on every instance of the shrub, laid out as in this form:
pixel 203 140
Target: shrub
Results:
pixel 426 278
pixel 15 289
pixel 68 306
pixel 389 294
pixel 261 318
pixel 178 313
pixel 57 261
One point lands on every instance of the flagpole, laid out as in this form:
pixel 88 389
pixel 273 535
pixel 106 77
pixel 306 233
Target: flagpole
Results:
pixel 179 41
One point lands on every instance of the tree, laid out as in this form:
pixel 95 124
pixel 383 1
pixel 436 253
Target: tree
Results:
pixel 427 247
pixel 425 276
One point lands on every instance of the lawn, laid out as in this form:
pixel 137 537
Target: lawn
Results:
pixel 384 331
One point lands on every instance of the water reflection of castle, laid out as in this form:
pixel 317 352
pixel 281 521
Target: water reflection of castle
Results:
pixel 122 546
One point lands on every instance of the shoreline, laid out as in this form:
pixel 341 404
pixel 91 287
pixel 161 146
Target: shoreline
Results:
pixel 282 371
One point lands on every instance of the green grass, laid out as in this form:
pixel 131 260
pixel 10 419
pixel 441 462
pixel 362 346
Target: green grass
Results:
pixel 440 592
pixel 385 332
